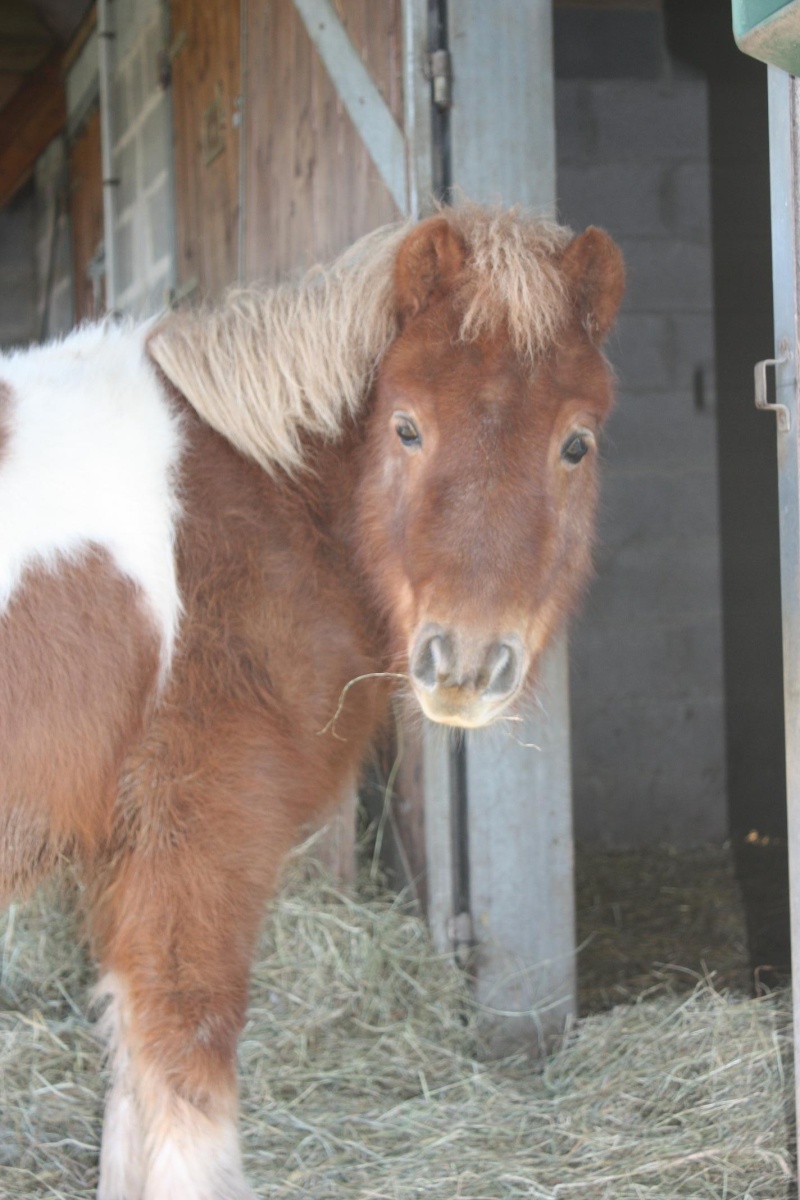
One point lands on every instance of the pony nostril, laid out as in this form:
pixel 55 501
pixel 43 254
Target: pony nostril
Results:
pixel 431 661
pixel 440 661
pixel 504 664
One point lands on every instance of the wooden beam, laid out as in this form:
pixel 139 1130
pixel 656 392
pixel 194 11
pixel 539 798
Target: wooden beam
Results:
pixel 79 39
pixel 10 82
pixel 417 109
pixel 518 792
pixel 23 54
pixel 28 123
pixel 25 41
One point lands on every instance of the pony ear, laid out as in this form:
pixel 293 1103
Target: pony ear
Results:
pixel 428 262
pixel 595 274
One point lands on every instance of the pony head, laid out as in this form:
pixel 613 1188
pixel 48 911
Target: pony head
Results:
pixel 478 487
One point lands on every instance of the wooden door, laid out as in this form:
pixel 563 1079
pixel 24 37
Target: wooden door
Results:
pixel 206 99
pixel 86 220
pixel 312 188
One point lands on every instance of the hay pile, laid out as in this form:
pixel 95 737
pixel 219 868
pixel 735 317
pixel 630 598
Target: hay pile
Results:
pixel 360 1077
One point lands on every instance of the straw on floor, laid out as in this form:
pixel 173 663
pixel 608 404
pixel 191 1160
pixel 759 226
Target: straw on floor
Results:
pixel 361 1076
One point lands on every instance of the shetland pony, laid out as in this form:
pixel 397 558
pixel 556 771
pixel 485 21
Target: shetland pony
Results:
pixel 209 527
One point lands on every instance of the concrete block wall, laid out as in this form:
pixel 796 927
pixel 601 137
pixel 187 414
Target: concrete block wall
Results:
pixel 646 653
pixel 142 139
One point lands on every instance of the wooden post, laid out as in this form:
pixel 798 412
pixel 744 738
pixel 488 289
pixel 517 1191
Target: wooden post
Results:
pixel 518 798
pixel 522 895
pixel 498 837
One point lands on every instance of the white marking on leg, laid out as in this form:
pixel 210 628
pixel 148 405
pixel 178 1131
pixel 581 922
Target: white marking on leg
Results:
pixel 193 1156
pixel 122 1149
pixel 156 1145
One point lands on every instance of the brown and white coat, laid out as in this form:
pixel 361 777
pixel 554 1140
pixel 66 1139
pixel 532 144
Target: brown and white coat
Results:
pixel 208 528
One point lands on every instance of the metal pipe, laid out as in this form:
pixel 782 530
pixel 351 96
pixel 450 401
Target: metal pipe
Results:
pixel 105 38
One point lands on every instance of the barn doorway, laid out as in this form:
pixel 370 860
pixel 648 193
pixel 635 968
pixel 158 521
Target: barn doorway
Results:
pixel 676 666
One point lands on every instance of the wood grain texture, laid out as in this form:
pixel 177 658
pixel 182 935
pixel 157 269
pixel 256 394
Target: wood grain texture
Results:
pixel 86 215
pixel 36 112
pixel 206 71
pixel 311 186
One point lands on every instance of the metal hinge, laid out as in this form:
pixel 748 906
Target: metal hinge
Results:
pixel 780 410
pixel 439 71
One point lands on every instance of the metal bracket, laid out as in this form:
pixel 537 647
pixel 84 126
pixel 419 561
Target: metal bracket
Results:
pixel 780 410
pixel 440 73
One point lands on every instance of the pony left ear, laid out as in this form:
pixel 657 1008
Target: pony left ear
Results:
pixel 428 262
pixel 595 272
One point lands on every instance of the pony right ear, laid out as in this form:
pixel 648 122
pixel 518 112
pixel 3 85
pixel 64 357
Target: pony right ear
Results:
pixel 592 264
pixel 428 262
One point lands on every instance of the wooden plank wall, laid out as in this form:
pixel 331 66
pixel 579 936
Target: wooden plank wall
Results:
pixel 311 186
pixel 86 216
pixel 206 87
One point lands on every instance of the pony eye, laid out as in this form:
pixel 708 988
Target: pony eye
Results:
pixel 575 448
pixel 407 431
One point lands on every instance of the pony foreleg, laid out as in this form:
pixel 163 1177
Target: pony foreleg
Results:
pixel 176 933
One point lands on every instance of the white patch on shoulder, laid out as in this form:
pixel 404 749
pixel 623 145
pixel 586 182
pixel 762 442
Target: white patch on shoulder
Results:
pixel 91 458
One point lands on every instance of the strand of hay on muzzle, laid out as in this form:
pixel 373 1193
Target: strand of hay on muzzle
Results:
pixel 359 1076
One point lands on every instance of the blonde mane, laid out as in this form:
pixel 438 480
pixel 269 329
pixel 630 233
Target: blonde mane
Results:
pixel 269 366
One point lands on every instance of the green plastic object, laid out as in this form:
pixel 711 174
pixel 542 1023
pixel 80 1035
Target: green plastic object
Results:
pixel 770 31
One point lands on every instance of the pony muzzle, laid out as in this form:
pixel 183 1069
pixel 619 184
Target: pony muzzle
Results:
pixel 463 680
